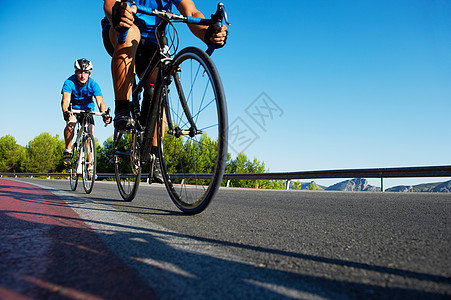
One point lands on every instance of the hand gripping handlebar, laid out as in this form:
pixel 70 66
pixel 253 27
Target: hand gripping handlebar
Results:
pixel 216 18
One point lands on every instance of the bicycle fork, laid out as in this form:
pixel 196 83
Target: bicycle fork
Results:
pixel 81 158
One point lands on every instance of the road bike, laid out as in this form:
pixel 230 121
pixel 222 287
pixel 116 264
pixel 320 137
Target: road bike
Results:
pixel 188 110
pixel 84 159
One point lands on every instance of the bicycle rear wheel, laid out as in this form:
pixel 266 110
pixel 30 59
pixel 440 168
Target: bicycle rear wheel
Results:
pixel 193 147
pixel 89 162
pixel 73 176
pixel 127 163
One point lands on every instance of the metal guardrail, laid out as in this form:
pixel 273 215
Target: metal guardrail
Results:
pixel 428 171
pixel 431 171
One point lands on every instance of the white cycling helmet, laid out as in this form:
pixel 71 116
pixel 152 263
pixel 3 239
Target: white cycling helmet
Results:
pixel 83 64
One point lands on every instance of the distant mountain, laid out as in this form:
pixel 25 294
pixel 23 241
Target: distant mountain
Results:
pixel 361 184
pixel 438 187
pixel 356 184
pixel 307 186
pixel 444 187
pixel 400 189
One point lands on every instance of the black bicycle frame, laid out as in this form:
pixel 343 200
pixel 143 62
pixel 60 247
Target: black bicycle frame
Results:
pixel 161 60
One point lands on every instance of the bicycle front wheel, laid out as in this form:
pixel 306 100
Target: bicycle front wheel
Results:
pixel 73 176
pixel 193 145
pixel 127 163
pixel 89 162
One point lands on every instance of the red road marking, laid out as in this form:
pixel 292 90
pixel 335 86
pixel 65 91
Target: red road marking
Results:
pixel 47 251
pixel 33 204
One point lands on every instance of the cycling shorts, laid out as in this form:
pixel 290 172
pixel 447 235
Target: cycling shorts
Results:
pixel 144 53
pixel 78 118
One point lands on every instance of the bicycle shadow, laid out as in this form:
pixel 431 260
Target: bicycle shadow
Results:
pixel 174 265
pixel 6 191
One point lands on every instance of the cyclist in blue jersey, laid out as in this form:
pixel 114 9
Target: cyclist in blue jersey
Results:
pixel 79 90
pixel 139 47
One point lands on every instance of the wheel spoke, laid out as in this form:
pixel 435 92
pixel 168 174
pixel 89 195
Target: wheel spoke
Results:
pixel 127 164
pixel 193 163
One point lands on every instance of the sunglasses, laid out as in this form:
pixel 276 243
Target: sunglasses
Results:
pixel 83 72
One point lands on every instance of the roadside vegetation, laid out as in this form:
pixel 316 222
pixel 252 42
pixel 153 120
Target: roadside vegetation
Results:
pixel 43 154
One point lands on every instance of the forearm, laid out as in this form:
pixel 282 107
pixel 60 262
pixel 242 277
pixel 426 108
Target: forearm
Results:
pixel 188 9
pixel 65 102
pixel 108 8
pixel 100 104
pixel 198 30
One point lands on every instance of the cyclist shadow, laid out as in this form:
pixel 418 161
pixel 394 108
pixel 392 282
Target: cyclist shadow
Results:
pixel 30 194
pixel 173 265
pixel 190 267
pixel 133 209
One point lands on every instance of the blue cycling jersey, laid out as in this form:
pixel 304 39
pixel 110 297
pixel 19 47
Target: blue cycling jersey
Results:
pixel 146 23
pixel 82 96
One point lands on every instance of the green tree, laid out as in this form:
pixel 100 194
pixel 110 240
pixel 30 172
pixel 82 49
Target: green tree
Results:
pixel 243 165
pixel 273 184
pixel 238 165
pixel 11 154
pixel 104 155
pixel 297 185
pixel 313 187
pixel 44 154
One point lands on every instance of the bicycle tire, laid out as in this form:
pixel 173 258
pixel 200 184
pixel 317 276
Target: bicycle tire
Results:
pixel 89 162
pixel 193 166
pixel 127 163
pixel 73 176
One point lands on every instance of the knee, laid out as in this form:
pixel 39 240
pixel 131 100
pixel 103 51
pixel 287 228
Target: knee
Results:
pixel 132 41
pixel 70 126
pixel 91 129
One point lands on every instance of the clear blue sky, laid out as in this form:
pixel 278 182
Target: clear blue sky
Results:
pixel 352 84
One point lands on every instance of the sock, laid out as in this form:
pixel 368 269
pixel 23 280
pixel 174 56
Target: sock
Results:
pixel 121 107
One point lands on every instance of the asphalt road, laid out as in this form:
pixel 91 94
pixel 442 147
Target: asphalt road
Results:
pixel 252 244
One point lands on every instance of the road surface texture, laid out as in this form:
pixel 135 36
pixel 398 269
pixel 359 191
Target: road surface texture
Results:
pixel 248 244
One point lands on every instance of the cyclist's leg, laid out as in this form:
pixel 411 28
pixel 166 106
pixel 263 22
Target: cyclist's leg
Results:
pixel 144 53
pixel 91 127
pixel 88 170
pixel 123 72
pixel 157 173
pixel 154 174
pixel 69 131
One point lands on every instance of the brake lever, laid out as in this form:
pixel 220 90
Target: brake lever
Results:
pixel 107 112
pixel 219 15
pixel 224 15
